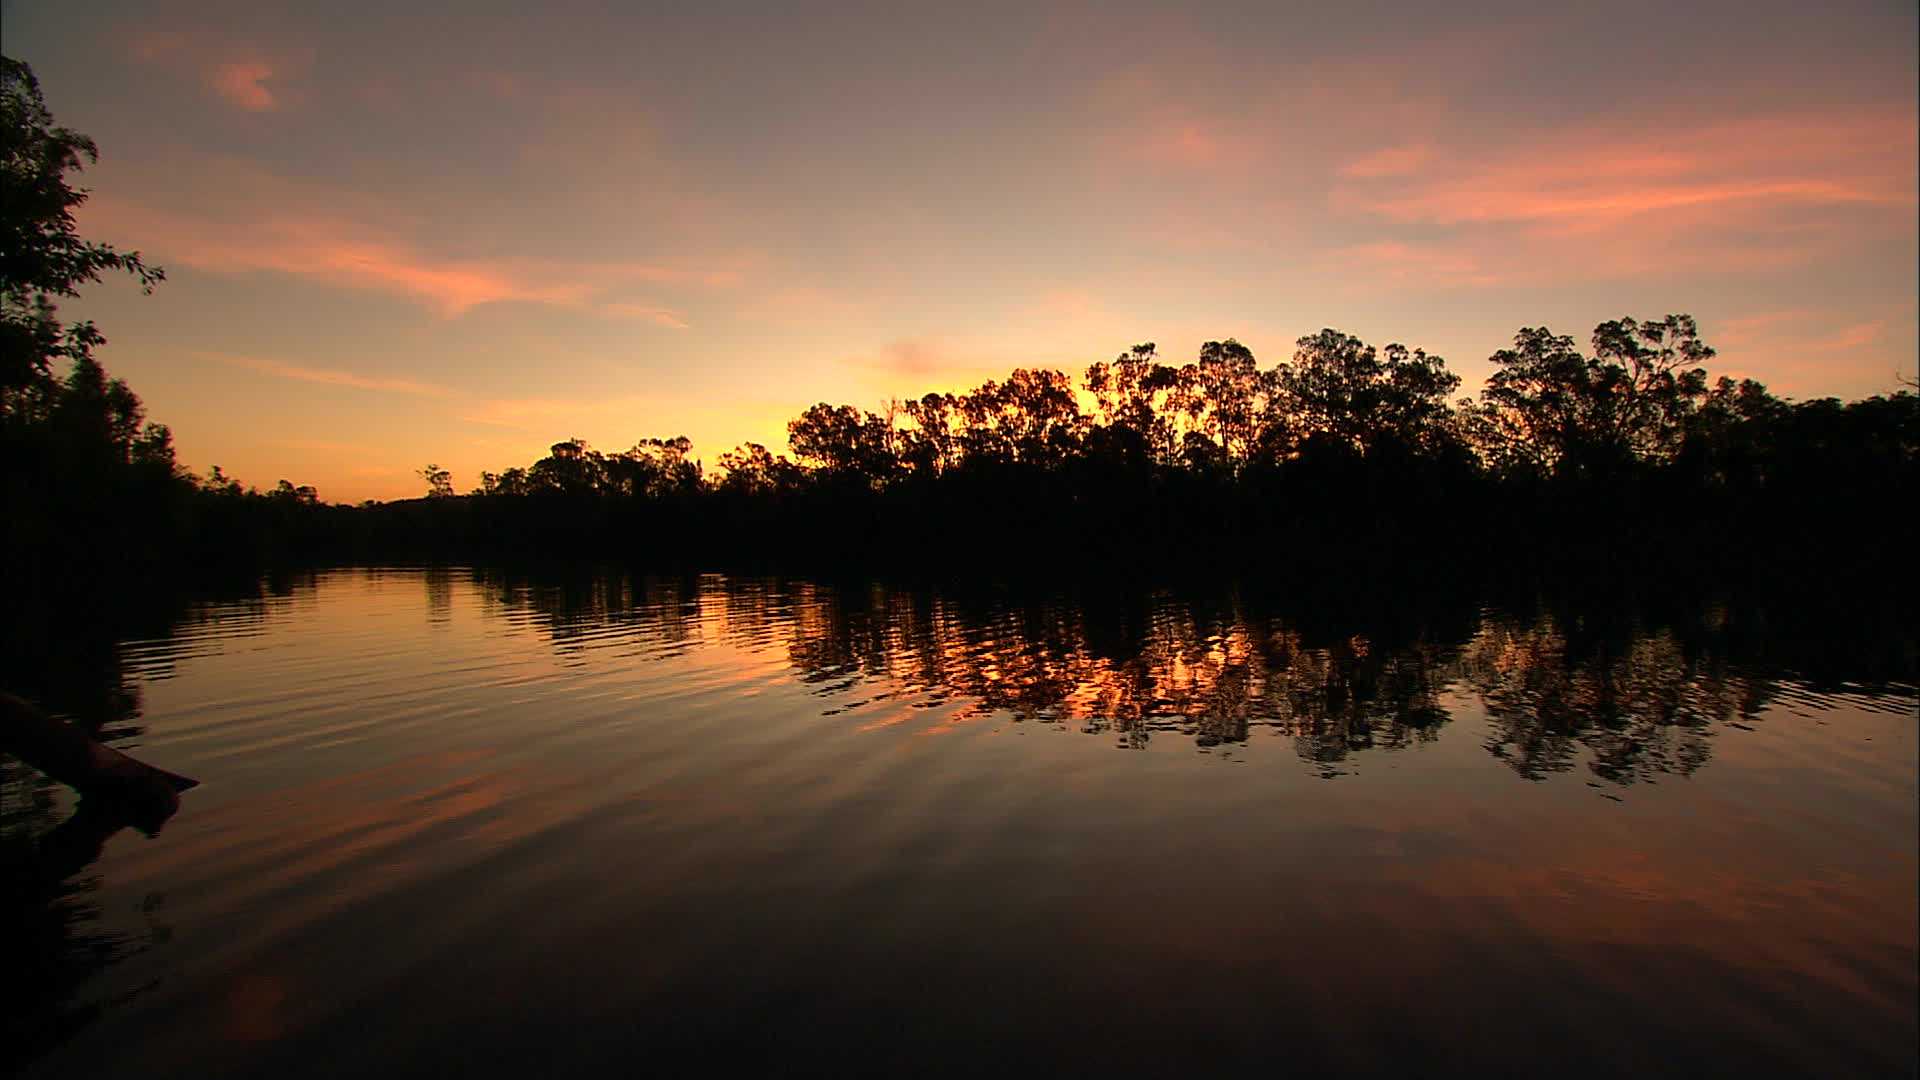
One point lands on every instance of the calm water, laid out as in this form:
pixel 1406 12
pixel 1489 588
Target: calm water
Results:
pixel 452 820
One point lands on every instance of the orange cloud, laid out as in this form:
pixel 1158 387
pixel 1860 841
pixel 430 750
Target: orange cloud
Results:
pixel 331 376
pixel 1599 178
pixel 1769 192
pixel 318 250
pixel 241 83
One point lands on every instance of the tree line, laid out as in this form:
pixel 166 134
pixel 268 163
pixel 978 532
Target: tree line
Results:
pixel 1624 448
pixel 1640 402
pixel 1343 445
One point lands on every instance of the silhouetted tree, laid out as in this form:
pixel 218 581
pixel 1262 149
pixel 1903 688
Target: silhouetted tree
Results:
pixel 1226 399
pixel 844 442
pixel 752 469
pixel 42 256
pixel 1550 410
pixel 570 468
pixel 654 468
pixel 1135 395
pixel 931 446
pixel 439 481
pixel 1338 388
pixel 1031 419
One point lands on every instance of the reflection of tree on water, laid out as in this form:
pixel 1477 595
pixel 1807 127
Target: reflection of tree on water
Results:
pixel 56 936
pixel 1640 706
pixel 439 582
pixel 1158 666
pixel 577 612
pixel 1634 702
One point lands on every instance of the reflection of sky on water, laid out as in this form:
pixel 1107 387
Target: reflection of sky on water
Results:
pixel 435 800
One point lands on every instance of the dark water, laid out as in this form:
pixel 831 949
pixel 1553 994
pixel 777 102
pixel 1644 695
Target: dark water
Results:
pixel 454 822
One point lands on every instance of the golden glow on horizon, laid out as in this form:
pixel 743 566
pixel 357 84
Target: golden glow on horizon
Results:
pixel 382 254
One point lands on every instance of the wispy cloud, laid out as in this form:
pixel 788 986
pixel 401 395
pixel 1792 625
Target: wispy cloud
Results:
pixel 915 366
pixel 323 446
pixel 1804 350
pixel 1600 177
pixel 916 359
pixel 236 70
pixel 332 376
pixel 1408 263
pixel 1804 329
pixel 1389 161
pixel 544 414
pixel 1857 336
pixel 659 316
pixel 338 251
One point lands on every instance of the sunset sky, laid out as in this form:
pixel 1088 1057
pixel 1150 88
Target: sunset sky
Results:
pixel 395 236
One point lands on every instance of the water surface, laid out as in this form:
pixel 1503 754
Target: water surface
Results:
pixel 458 820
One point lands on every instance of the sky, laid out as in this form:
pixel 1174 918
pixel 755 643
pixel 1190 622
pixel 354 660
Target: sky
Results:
pixel 400 234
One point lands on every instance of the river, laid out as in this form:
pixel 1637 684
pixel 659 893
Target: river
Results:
pixel 461 821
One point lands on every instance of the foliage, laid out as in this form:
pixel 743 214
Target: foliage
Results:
pixel 1344 448
pixel 42 257
pixel 1551 410
pixel 439 481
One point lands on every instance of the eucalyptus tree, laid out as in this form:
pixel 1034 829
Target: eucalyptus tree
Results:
pixel 1135 397
pixel 1552 410
pixel 1341 389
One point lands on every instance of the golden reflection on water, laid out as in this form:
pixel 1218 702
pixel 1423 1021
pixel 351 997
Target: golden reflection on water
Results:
pixel 434 799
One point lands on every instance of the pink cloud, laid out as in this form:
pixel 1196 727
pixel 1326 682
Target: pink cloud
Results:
pixel 1407 263
pixel 1857 336
pixel 659 316
pixel 1760 193
pixel 806 305
pixel 339 251
pixel 159 45
pixel 918 359
pixel 1803 330
pixel 336 255
pixel 1389 161
pixel 1184 139
pixel 234 69
pixel 1188 144
pixel 1069 305
pixel 655 273
pixel 1600 177
pixel 241 83
pixel 1746 328
pixel 916 366
pixel 1812 351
